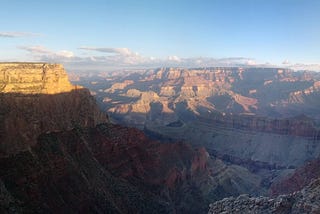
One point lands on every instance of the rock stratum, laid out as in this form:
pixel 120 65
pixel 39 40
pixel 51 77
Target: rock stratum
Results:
pixel 37 98
pixel 34 78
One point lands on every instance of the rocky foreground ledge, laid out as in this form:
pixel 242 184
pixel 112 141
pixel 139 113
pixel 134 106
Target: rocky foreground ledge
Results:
pixel 304 201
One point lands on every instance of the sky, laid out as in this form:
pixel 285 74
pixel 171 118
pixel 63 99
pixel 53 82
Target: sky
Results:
pixel 116 34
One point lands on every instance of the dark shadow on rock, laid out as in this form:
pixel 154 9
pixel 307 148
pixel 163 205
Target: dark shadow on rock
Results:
pixel 24 116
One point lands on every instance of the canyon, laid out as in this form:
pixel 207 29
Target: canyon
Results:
pixel 166 140
pixel 265 120
pixel 259 114
pixel 60 153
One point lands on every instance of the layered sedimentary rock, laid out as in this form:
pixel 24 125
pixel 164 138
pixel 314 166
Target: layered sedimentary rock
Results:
pixel 267 92
pixel 37 98
pixel 34 78
pixel 300 125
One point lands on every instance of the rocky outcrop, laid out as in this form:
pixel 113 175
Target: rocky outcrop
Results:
pixel 34 78
pixel 119 86
pixel 37 98
pixel 305 201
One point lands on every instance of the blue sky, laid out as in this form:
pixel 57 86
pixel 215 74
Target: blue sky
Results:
pixel 130 34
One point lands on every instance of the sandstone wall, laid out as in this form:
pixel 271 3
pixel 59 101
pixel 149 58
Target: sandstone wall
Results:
pixel 34 78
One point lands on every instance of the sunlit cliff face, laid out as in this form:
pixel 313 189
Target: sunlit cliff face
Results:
pixel 34 78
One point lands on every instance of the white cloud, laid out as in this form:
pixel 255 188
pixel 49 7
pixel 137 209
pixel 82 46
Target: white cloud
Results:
pixel 35 49
pixel 124 58
pixel 121 51
pixel 118 58
pixel 174 58
pixel 17 34
pixel 286 62
pixel 301 66
pixel 41 53
pixel 64 53
pixel 251 62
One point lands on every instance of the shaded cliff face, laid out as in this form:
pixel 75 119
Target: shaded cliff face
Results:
pixel 115 169
pixel 61 174
pixel 107 168
pixel 37 98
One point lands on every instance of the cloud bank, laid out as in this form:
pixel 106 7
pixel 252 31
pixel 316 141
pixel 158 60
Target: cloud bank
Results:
pixel 110 58
pixel 121 51
pixel 17 34
pixel 40 53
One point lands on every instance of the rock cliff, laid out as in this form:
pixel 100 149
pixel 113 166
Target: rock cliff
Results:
pixel 37 98
pixel 34 78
